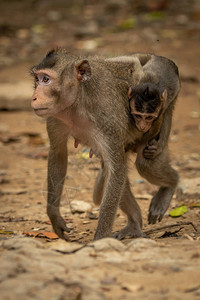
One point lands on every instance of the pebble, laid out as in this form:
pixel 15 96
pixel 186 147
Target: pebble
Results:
pixel 78 206
pixel 12 191
pixel 54 15
pixel 108 244
pixel 189 188
pixel 87 45
pixel 132 287
pixel 141 244
pixel 194 114
pixel 65 247
pixel 91 28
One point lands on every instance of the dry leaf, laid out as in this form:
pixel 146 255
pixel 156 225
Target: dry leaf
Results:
pixel 48 234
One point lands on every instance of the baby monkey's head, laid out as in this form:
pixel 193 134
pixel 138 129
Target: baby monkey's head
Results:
pixel 146 103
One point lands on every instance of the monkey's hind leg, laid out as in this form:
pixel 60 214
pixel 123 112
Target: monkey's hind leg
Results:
pixel 99 186
pixel 159 204
pixel 130 207
pixel 158 171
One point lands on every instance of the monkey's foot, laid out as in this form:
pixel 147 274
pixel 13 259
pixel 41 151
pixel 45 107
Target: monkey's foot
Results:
pixel 156 212
pixel 153 217
pixel 130 231
pixel 159 204
pixel 59 226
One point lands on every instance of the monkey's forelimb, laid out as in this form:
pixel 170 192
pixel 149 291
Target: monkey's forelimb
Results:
pixel 57 165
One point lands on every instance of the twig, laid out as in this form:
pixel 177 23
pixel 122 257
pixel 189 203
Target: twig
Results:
pixel 169 226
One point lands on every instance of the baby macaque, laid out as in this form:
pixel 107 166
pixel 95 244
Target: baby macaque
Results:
pixel 146 104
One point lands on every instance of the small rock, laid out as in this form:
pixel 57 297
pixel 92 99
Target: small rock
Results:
pixel 132 287
pixel 65 247
pixel 22 34
pixel 174 138
pixel 189 188
pixel 194 114
pixel 3 172
pixel 77 206
pixel 92 215
pixel 54 15
pixel 141 244
pixel 108 280
pixel 3 128
pixel 182 19
pixel 89 29
pixel 86 222
pixel 108 244
pixel 12 191
pixel 87 45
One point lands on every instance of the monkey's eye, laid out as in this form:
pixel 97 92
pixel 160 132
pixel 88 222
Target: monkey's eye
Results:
pixel 138 117
pixel 44 79
pixel 149 118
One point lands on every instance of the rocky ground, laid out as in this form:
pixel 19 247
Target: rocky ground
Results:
pixel 34 263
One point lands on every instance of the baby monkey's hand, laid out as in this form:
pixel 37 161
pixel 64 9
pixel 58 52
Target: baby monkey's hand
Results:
pixel 151 150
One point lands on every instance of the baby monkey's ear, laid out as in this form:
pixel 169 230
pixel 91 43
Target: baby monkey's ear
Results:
pixel 164 97
pixel 129 92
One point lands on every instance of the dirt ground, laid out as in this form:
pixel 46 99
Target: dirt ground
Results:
pixel 24 149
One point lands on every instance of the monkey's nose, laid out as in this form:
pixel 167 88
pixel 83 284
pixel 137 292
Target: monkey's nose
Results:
pixel 34 99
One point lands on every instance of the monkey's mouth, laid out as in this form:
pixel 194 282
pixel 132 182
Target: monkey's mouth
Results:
pixel 39 109
pixel 42 111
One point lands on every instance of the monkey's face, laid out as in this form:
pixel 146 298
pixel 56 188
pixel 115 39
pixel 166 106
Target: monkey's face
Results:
pixel 143 121
pixel 49 97
pixel 57 84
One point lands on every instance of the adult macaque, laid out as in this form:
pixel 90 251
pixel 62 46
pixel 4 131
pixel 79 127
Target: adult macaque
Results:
pixel 82 98
pixel 87 99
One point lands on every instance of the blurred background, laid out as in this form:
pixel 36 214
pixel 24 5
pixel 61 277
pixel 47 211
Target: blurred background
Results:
pixel 30 28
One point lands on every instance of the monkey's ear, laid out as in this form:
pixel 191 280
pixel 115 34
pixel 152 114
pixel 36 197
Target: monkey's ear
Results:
pixel 164 97
pixel 129 92
pixel 83 70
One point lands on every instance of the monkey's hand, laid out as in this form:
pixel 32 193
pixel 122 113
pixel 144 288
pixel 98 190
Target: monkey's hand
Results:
pixel 151 150
pixel 58 223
